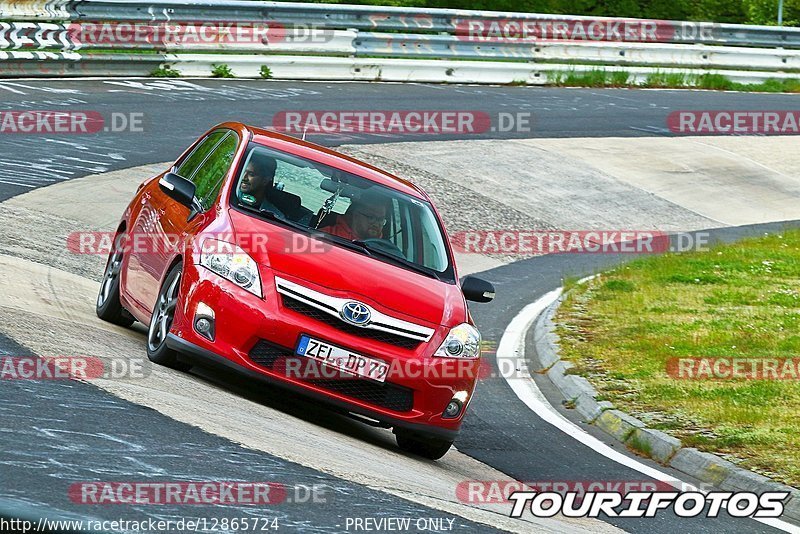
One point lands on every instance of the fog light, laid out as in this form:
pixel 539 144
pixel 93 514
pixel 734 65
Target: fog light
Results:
pixel 204 321
pixel 453 410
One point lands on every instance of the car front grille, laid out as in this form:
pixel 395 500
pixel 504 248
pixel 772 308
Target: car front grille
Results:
pixel 386 395
pixel 377 335
pixel 266 353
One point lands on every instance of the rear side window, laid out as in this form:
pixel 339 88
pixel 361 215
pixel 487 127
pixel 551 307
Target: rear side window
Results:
pixel 199 154
pixel 211 173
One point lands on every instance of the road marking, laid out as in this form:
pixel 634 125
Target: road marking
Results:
pixel 20 185
pixel 512 348
pixel 7 88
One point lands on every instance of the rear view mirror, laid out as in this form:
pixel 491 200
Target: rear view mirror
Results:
pixel 345 190
pixel 477 290
pixel 178 189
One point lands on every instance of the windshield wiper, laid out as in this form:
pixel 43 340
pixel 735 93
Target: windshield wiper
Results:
pixel 344 242
pixel 399 259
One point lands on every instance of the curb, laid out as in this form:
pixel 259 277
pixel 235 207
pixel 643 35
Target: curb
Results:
pixel 661 447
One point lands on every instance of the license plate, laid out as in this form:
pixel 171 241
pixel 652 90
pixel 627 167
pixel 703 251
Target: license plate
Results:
pixel 342 359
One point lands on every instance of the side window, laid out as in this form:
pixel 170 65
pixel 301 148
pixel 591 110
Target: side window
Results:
pixel 209 176
pixel 198 155
pixel 433 248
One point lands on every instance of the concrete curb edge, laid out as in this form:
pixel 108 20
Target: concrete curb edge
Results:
pixel 666 450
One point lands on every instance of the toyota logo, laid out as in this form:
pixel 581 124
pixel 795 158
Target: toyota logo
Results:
pixel 356 313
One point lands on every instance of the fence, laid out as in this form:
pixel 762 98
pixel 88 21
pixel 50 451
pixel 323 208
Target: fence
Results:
pixel 320 41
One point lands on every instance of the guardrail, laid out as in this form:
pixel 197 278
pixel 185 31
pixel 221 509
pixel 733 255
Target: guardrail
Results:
pixel 60 37
pixel 295 67
pixel 43 34
pixel 386 18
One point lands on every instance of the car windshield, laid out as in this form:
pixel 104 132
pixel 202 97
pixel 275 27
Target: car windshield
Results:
pixel 376 220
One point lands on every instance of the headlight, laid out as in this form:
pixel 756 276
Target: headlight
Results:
pixel 463 341
pixel 231 263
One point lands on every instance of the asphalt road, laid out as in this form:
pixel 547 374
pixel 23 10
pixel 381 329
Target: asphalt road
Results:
pixel 506 435
pixel 170 114
pixel 59 433
pixel 69 431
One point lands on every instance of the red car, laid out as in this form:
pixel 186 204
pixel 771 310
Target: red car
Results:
pixel 308 269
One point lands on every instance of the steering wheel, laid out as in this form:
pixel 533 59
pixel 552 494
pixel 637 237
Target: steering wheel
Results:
pixel 384 245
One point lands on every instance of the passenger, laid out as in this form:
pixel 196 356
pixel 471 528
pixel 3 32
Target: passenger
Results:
pixel 257 182
pixel 364 219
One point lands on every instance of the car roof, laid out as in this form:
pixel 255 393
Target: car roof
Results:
pixel 326 156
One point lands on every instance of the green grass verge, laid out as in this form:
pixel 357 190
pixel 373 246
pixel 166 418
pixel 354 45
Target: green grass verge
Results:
pixel 668 80
pixel 740 300
pixel 165 72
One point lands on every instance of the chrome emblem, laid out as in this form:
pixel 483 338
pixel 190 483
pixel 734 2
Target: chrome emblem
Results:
pixel 356 313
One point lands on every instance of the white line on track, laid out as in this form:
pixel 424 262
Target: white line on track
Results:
pixel 15 183
pixel 10 89
pixel 512 348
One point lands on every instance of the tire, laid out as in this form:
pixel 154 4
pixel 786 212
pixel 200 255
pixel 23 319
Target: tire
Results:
pixel 427 447
pixel 161 321
pixel 108 306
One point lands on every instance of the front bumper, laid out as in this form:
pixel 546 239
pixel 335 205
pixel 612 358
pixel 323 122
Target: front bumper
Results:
pixel 194 354
pixel 244 321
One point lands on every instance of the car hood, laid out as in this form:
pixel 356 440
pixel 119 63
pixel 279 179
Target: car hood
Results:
pixel 341 272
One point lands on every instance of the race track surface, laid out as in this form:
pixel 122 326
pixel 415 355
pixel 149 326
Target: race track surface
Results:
pixel 210 426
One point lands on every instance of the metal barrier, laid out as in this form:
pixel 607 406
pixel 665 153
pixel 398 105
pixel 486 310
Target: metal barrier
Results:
pixel 57 29
pixel 585 53
pixel 74 64
pixel 385 18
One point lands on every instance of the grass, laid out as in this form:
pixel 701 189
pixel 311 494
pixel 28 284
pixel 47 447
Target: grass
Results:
pixel 668 80
pixel 740 300
pixel 221 71
pixel 165 72
pixel 591 78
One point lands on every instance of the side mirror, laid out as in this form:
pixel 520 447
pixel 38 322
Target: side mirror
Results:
pixel 477 290
pixel 178 189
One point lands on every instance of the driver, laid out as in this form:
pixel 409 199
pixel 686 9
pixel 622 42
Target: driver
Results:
pixel 257 183
pixel 364 219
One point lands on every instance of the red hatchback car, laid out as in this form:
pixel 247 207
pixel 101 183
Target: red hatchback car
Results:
pixel 306 268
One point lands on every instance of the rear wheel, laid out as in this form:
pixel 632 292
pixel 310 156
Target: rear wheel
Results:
pixel 427 447
pixel 161 321
pixel 108 306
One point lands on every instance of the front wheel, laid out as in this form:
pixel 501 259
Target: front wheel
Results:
pixel 427 447
pixel 108 306
pixel 161 321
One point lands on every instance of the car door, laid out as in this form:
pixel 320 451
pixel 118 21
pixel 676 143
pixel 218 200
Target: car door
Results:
pixel 161 222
